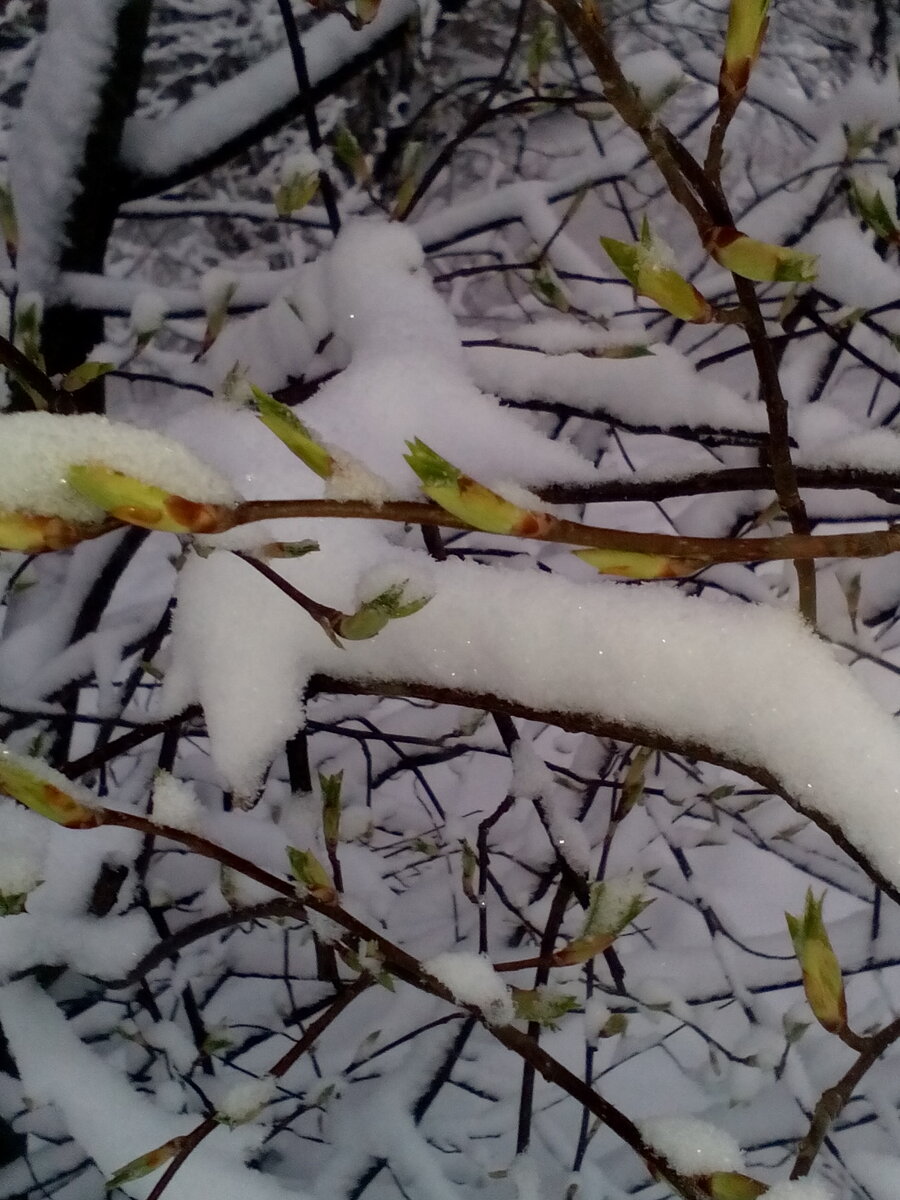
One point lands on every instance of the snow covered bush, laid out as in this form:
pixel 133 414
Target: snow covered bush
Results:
pixel 447 493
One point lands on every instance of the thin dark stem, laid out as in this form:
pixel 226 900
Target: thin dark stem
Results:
pixel 314 133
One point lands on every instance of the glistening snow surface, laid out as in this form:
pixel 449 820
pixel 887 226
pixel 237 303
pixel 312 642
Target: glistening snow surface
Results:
pixel 37 448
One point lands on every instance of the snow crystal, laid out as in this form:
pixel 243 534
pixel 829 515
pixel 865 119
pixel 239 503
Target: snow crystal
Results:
pixel 244 1100
pixel 472 980
pixel 692 1146
pixel 175 802
pixel 38 447
pixel 23 849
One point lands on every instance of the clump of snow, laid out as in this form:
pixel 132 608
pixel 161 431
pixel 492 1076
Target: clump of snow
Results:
pixel 654 658
pixel 148 312
pixel 175 802
pixel 617 899
pixel 799 1189
pixel 692 1146
pixel 36 449
pixel 23 849
pixel 661 389
pixel 596 1015
pixel 245 1100
pixel 217 286
pixel 472 980
pixel 405 358
pixel 53 125
pixel 849 267
pixel 302 163
pixel 352 480
pixel 654 73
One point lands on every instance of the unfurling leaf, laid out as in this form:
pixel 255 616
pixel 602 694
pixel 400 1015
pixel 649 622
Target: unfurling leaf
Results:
pixel 747 23
pixel 546 286
pixel 138 503
pixel 372 615
pixel 9 227
pixel 348 151
pixel 732 1185
pixel 649 268
pixel 762 261
pixel 631 565
pixel 288 427
pixel 29 533
pixel 311 875
pixel 43 795
pixel 84 374
pixel 366 10
pixel 300 179
pixel 633 783
pixel 410 170
pixel 540 51
pixel 12 903
pixel 613 905
pixel 217 288
pixel 875 199
pixel 330 786
pixel 543 1005
pixel 822 980
pixel 145 1164
pixel 471 501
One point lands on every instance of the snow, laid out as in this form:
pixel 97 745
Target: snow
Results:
pixel 656 659
pixel 800 1189
pixel 617 898
pixel 653 72
pixel 118 1124
pixel 472 980
pixel 37 448
pixel 51 130
pixel 692 1146
pixel 243 1101
pixel 23 849
pixel 105 947
pixel 158 147
pixel 850 270
pixel 175 802
pixel 661 389
pixel 406 359
pixel 148 312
